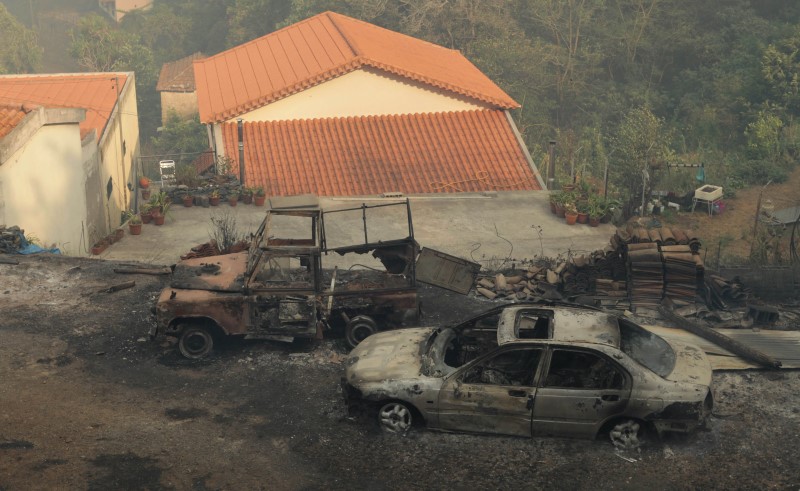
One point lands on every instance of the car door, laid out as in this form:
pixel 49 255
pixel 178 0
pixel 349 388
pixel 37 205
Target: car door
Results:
pixel 495 394
pixel 578 391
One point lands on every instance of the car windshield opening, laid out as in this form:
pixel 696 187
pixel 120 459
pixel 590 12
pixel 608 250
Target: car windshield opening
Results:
pixel 646 348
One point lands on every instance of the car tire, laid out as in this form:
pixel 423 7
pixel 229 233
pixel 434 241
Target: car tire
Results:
pixel 395 417
pixel 358 329
pixel 627 434
pixel 195 342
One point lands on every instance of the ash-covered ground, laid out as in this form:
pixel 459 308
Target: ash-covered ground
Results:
pixel 88 402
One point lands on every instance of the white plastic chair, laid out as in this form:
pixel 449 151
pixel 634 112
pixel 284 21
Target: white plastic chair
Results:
pixel 167 170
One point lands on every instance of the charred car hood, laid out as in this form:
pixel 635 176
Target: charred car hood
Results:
pixel 390 355
pixel 691 364
pixel 217 273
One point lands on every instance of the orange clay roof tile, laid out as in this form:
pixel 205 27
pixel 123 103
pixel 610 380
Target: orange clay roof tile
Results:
pixel 11 116
pixel 178 76
pixel 97 93
pixel 323 47
pixel 466 151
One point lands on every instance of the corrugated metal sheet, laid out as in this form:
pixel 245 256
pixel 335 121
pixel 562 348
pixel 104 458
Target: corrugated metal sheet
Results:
pixel 320 48
pixel 783 345
pixel 467 151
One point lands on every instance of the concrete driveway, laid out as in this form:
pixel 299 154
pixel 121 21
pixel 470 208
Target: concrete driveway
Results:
pixel 484 228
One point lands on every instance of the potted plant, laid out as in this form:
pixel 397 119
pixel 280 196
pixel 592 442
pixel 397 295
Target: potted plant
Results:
pixel 247 195
pixel 188 200
pixel 99 247
pixel 583 210
pixel 611 206
pixel 144 181
pixel 119 234
pixel 134 222
pixel 233 198
pixel 144 213
pixel 213 197
pixel 597 208
pixel 555 198
pixel 160 213
pixel 570 213
pixel 259 196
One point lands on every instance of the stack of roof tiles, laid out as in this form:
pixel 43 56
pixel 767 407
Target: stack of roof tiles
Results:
pixel 646 274
pixel 682 273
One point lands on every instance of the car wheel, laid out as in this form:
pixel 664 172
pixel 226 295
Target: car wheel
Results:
pixel 358 329
pixel 195 342
pixel 627 434
pixel 395 417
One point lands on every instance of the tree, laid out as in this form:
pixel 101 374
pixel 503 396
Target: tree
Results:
pixel 780 66
pixel 641 149
pixel 19 48
pixel 98 46
pixel 250 19
pixel 181 137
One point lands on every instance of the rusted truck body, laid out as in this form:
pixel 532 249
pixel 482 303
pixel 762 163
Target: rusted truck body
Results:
pixel 278 288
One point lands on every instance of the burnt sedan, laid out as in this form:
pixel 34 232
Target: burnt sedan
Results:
pixel 530 370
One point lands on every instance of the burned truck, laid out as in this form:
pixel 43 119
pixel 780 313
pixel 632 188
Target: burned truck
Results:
pixel 281 288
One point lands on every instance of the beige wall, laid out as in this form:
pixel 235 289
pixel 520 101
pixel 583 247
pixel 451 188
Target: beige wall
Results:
pixel 183 103
pixel 117 155
pixel 363 92
pixel 41 187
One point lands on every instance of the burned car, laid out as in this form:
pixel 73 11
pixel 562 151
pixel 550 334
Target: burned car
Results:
pixel 279 289
pixel 529 370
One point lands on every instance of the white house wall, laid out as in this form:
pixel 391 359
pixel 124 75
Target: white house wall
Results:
pixel 117 155
pixel 42 187
pixel 363 92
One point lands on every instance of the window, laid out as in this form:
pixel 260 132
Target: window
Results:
pixel 582 370
pixel 516 367
pixel 646 348
pixel 284 272
pixel 533 325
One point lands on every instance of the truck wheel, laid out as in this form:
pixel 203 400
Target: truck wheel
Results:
pixel 358 329
pixel 195 342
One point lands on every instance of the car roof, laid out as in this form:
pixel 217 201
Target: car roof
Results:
pixel 570 324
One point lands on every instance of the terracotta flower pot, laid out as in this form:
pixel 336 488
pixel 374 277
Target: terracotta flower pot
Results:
pixel 213 200
pixel 188 201
pixel 144 182
pixel 583 217
pixel 135 228
pixel 259 200
pixel 158 219
pixel 571 218
pixel 119 234
pixel 247 198
pixel 146 217
pixel 145 194
pixel 232 201
pixel 559 211
pixel 98 248
pixel 594 221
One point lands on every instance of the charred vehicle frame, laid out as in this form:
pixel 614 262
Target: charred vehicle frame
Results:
pixel 278 289
pixel 530 370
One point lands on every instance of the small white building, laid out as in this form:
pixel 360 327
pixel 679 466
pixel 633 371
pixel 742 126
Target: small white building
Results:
pixel 68 144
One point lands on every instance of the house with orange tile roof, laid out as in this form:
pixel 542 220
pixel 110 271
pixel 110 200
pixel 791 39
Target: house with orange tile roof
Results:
pixel 68 143
pixel 338 107
pixel 177 88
